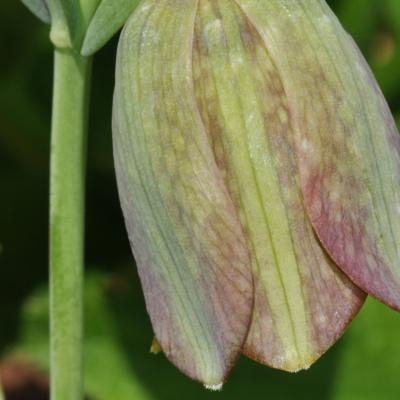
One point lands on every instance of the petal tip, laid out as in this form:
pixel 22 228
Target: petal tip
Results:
pixel 214 387
pixel 155 347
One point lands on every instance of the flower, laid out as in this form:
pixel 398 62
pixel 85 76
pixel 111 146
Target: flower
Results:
pixel 258 172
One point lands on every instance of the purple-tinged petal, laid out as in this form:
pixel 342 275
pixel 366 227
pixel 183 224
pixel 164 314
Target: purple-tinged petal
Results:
pixel 347 144
pixel 303 303
pixel 185 232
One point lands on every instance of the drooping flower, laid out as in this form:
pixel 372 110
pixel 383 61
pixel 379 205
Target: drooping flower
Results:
pixel 258 171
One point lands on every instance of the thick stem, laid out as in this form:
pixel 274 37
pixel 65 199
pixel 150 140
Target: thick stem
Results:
pixel 67 192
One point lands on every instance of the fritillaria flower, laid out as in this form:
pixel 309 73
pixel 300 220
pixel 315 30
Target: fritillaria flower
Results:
pixel 258 171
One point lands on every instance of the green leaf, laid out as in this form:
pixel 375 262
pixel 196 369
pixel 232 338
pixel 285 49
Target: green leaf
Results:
pixel 39 8
pixel 109 17
pixel 87 11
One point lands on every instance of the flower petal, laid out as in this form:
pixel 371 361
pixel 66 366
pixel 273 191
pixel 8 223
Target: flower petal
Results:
pixel 185 232
pixel 347 144
pixel 303 302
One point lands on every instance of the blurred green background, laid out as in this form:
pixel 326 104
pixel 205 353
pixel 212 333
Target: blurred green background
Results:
pixel 364 365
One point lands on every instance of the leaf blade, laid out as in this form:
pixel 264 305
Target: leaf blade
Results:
pixel 110 16
pixel 39 8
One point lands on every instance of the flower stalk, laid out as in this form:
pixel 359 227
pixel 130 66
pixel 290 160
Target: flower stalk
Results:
pixel 2 397
pixel 67 191
pixel 72 23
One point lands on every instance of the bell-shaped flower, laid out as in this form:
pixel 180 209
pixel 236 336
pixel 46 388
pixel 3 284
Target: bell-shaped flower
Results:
pixel 258 171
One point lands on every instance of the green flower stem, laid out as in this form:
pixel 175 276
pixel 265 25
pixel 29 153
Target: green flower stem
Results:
pixel 67 192
pixel 2 397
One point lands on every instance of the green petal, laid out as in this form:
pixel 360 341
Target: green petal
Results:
pixel 346 141
pixel 303 303
pixel 185 232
